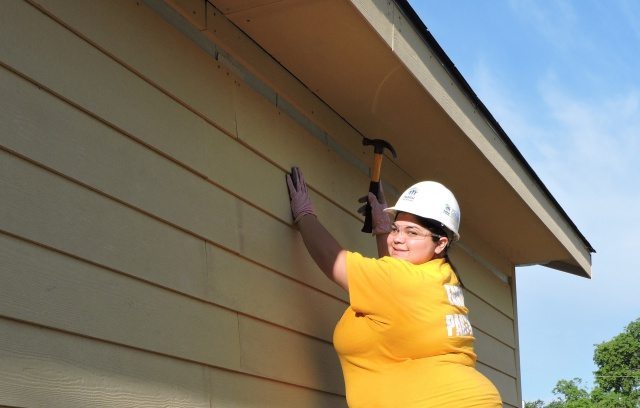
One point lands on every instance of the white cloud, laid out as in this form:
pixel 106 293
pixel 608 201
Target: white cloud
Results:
pixel 504 105
pixel 600 141
pixel 586 151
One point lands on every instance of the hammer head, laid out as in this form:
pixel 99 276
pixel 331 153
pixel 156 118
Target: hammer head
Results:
pixel 379 145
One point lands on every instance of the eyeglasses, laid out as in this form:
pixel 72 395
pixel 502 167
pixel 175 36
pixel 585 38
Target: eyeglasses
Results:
pixel 412 232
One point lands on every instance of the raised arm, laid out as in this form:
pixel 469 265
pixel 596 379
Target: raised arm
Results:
pixel 330 257
pixel 322 246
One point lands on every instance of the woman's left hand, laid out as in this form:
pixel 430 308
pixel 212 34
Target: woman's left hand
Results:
pixel 299 195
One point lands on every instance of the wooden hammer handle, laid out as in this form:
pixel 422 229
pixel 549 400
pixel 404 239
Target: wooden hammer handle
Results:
pixel 377 166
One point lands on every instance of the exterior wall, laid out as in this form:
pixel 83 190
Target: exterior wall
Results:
pixel 146 251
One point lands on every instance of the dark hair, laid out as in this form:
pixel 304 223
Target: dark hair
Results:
pixel 438 230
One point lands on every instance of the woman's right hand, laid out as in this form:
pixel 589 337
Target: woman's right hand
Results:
pixel 381 223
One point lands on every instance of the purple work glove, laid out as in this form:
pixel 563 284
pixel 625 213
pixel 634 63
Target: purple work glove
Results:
pixel 299 196
pixel 381 223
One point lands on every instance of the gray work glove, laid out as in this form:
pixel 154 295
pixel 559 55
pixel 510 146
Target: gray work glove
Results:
pixel 299 196
pixel 381 223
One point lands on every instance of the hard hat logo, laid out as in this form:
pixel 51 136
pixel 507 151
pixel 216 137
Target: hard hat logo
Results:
pixel 451 212
pixel 430 199
pixel 410 195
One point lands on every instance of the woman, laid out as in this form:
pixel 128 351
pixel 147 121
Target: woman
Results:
pixel 405 340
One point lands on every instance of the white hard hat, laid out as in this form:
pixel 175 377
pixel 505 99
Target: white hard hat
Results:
pixel 430 199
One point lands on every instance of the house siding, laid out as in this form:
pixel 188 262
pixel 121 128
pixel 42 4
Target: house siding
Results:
pixel 147 256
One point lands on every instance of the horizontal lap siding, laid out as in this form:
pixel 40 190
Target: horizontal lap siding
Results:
pixel 132 216
pixel 43 367
pixel 234 390
pixel 506 384
pixel 149 179
pixel 492 314
pixel 97 156
pixel 77 297
pixel 47 368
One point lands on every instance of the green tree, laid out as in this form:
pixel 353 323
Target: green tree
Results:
pixel 571 395
pixel 617 378
pixel 618 362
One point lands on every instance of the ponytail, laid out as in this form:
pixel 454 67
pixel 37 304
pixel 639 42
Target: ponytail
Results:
pixel 455 271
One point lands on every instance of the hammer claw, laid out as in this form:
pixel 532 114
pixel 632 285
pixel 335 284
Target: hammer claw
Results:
pixel 379 145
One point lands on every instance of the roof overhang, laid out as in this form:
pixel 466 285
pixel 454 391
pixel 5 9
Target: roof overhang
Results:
pixel 376 65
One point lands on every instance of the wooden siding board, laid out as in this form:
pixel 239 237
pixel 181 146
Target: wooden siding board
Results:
pixel 56 312
pixel 280 247
pixel 52 290
pixel 233 390
pixel 344 227
pixel 45 208
pixel 484 250
pixel 141 39
pixel 40 127
pixel 290 357
pixel 259 292
pixel 482 282
pixel 504 383
pixel 46 368
pixel 490 320
pixel 495 354
pixel 59 60
pixel 199 146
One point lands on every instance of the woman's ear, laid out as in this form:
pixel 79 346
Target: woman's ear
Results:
pixel 441 245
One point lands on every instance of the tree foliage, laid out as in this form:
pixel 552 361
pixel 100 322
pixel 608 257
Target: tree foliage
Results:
pixel 618 362
pixel 617 379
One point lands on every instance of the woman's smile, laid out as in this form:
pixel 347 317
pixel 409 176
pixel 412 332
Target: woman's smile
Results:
pixel 411 242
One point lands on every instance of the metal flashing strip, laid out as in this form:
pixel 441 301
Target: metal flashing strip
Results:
pixel 175 19
pixel 224 58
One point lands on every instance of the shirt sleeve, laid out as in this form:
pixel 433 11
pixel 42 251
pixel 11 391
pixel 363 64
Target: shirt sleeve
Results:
pixel 370 284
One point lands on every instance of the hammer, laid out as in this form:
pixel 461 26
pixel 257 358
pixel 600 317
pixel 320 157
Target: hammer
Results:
pixel 374 186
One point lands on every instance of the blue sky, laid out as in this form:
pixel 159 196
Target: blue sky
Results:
pixel 562 78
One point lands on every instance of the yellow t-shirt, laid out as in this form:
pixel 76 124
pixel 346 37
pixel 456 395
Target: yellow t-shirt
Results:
pixel 405 340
